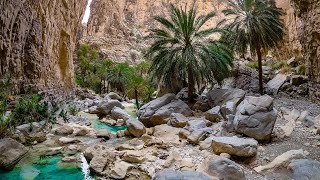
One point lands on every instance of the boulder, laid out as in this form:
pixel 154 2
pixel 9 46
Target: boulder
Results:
pixel 105 107
pixel 132 156
pixel 103 133
pixel 197 124
pixel 222 168
pixel 170 174
pixel 120 122
pixel 81 131
pixel 135 127
pixel 64 130
pixel 297 80
pixel 93 110
pixel 219 97
pixel 147 110
pixel 66 140
pixel 39 137
pixel 11 152
pixel 241 147
pixel 119 170
pixel 199 135
pixel 114 96
pixel 255 117
pixel 167 134
pixel 304 169
pixel 161 115
pixel 275 84
pixel 213 114
pixel 118 113
pixel 178 120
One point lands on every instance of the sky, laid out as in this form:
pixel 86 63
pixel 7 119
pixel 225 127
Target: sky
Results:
pixel 87 13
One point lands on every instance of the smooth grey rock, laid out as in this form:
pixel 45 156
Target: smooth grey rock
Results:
pixel 275 84
pixel 135 127
pixel 219 97
pixel 213 114
pixel 255 117
pixel 148 110
pixel 64 130
pixel 305 169
pixel 114 96
pixel 199 135
pixel 161 115
pixel 197 124
pixel 222 168
pixel 170 174
pixel 183 94
pixel 118 113
pixel 106 106
pixel 242 147
pixel 11 152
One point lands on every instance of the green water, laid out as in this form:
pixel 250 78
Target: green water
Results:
pixel 99 125
pixel 50 168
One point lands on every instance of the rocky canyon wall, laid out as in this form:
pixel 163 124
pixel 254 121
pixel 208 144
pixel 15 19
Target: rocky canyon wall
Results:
pixel 309 13
pixel 118 27
pixel 37 41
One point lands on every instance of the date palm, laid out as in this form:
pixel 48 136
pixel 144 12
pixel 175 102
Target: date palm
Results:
pixel 183 49
pixel 255 24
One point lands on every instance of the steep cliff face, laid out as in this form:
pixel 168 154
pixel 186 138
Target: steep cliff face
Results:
pixel 309 12
pixel 118 27
pixel 37 40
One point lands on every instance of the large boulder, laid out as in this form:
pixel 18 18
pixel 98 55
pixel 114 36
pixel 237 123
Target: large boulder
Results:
pixel 275 84
pixel 168 134
pixel 64 130
pixel 197 124
pixel 105 107
pixel 170 174
pixel 213 114
pixel 147 110
pixel 135 127
pixel 199 135
pixel 297 80
pixel 255 117
pixel 305 169
pixel 162 114
pixel 219 97
pixel 118 113
pixel 222 168
pixel 11 152
pixel 241 147
pixel 114 96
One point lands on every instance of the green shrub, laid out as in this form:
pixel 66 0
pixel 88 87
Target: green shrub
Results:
pixel 31 108
pixel 301 69
pixel 279 65
pixel 64 115
pixel 253 64
pixel 5 116
pixel 73 110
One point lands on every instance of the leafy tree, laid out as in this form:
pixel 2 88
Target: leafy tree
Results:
pixel 183 49
pixel 103 68
pixel 255 24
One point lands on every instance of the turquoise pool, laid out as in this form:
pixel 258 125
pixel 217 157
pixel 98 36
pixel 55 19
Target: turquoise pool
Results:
pixel 48 168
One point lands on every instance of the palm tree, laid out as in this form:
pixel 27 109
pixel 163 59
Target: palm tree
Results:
pixel 182 49
pixel 103 68
pixel 255 24
pixel 119 75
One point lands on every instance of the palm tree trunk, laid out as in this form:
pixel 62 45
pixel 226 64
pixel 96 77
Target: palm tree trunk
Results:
pixel 258 49
pixel 136 96
pixel 190 85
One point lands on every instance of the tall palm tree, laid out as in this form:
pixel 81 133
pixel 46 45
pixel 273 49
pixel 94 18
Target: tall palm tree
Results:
pixel 183 49
pixel 119 75
pixel 255 24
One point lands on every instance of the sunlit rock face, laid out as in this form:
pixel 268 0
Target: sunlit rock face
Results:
pixel 119 27
pixel 309 13
pixel 37 41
